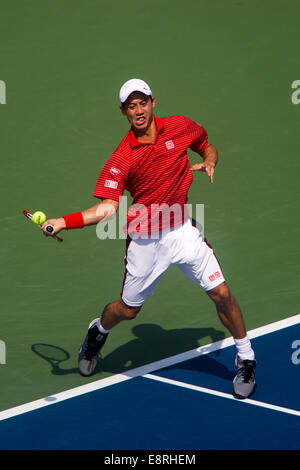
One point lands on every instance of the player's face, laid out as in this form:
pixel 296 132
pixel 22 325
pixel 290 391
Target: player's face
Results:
pixel 139 112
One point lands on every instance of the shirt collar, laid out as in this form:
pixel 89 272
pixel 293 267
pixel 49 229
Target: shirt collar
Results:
pixel 133 140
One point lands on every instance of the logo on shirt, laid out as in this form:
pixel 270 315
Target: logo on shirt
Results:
pixel 170 145
pixel 111 184
pixel 114 171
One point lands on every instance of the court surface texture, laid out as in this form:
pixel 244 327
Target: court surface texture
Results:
pixel 182 402
pixel 165 378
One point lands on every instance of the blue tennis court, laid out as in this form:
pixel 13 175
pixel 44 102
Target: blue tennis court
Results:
pixel 185 405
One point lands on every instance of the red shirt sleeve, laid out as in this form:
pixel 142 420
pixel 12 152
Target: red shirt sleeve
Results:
pixel 112 179
pixel 198 136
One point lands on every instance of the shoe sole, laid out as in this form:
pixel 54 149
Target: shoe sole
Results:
pixel 242 397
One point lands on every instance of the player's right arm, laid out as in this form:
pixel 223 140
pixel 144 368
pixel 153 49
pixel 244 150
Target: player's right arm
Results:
pixel 106 209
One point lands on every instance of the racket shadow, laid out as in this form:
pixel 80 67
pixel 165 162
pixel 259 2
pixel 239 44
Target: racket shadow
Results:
pixel 54 355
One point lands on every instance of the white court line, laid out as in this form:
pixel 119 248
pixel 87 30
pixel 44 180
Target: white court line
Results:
pixel 143 370
pixel 221 394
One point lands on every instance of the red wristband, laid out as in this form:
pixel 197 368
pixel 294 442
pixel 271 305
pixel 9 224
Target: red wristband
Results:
pixel 74 220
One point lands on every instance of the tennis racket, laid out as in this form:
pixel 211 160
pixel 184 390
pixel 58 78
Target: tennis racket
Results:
pixel 49 227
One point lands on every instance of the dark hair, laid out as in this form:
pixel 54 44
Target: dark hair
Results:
pixel 125 104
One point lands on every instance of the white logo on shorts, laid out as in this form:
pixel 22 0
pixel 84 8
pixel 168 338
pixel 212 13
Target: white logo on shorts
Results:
pixel 170 145
pixel 111 184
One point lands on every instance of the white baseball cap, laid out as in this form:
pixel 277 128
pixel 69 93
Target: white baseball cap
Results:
pixel 135 84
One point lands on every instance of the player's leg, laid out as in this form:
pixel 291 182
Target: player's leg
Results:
pixel 115 312
pixel 98 331
pixel 231 316
pixel 228 310
pixel 200 264
pixel 144 268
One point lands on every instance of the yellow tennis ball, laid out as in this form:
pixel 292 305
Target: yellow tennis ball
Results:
pixel 39 218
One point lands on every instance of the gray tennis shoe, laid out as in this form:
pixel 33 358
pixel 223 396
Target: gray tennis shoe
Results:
pixel 90 350
pixel 244 381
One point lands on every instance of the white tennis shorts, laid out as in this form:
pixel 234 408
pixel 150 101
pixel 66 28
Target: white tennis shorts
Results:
pixel 147 260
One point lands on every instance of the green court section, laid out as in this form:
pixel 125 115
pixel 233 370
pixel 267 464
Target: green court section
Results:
pixel 227 65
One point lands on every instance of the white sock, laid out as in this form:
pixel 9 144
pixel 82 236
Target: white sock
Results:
pixel 244 348
pixel 100 327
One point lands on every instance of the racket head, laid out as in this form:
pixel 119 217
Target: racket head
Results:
pixel 27 214
pixel 49 227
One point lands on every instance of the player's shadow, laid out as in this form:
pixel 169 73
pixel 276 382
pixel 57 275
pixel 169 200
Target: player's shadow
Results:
pixel 153 343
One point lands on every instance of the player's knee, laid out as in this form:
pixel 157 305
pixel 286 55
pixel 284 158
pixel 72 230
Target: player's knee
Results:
pixel 130 312
pixel 221 295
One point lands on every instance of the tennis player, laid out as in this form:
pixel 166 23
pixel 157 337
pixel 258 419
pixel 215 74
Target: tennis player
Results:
pixel 151 163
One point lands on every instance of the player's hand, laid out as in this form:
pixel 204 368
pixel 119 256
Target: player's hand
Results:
pixel 57 224
pixel 205 167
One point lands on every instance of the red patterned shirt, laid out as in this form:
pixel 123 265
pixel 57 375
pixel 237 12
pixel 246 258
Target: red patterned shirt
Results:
pixel 153 173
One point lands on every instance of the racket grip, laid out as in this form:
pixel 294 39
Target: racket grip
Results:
pixel 49 229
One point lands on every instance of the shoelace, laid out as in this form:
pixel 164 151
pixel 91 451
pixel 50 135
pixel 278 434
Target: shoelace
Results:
pixel 246 371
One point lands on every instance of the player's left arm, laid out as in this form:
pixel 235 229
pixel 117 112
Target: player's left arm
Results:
pixel 210 159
